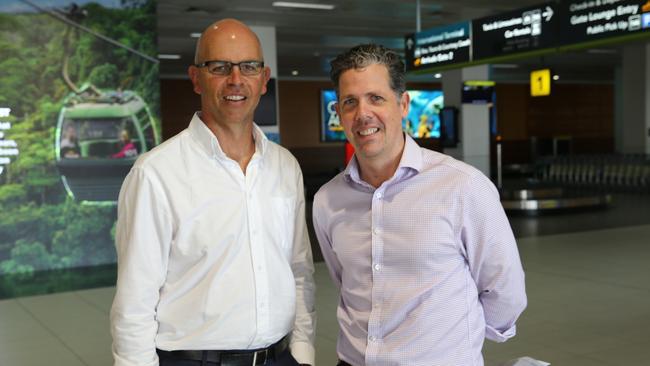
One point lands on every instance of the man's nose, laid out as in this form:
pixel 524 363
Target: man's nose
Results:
pixel 235 75
pixel 363 112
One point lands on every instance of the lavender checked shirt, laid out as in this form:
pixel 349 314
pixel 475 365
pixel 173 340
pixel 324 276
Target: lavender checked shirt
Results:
pixel 426 264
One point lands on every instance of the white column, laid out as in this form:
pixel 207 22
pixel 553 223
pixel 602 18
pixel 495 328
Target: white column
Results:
pixel 474 119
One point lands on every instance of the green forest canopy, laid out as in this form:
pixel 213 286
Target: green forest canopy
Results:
pixel 40 228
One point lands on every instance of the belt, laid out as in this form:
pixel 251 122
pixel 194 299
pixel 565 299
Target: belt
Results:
pixel 231 358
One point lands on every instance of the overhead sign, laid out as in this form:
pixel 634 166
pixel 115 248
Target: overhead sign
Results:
pixel 541 27
pixel 521 30
pixel 439 46
pixel 588 20
pixel 540 83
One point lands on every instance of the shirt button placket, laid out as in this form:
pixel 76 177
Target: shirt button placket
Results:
pixel 374 322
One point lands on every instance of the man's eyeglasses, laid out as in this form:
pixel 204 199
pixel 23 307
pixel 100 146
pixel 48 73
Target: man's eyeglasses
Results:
pixel 224 68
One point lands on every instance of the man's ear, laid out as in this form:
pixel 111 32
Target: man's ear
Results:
pixel 193 72
pixel 404 102
pixel 267 77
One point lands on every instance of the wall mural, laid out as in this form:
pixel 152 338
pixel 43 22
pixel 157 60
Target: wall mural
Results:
pixel 79 101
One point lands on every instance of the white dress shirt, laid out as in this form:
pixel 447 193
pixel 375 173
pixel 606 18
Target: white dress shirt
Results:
pixel 427 264
pixel 210 258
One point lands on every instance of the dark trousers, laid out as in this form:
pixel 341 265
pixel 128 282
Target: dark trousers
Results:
pixel 285 359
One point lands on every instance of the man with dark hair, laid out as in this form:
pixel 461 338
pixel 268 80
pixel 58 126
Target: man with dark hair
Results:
pixel 214 261
pixel 417 242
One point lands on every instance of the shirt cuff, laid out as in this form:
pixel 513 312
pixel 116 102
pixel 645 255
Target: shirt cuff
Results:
pixel 119 361
pixel 498 336
pixel 303 352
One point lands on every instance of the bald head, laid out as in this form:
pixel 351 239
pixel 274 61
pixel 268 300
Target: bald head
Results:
pixel 226 33
pixel 229 97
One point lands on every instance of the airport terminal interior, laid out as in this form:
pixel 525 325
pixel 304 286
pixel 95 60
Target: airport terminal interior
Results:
pixel 559 120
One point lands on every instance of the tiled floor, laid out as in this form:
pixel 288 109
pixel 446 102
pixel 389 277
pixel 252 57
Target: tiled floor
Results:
pixel 589 304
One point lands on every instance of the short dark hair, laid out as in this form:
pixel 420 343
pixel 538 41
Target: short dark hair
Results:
pixel 365 55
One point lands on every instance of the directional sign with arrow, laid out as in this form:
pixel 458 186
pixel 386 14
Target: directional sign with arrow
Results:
pixel 438 46
pixel 548 13
pixel 589 21
pixel 520 30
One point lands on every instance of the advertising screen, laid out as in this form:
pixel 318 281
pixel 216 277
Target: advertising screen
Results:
pixel 527 29
pixel 423 120
pixel 75 113
pixel 331 128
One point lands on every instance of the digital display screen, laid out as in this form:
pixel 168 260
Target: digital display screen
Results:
pixel 449 126
pixel 331 128
pixel 439 46
pixel 478 92
pixel 423 120
pixel 527 29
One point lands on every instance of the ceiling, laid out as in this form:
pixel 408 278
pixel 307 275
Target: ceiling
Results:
pixel 308 39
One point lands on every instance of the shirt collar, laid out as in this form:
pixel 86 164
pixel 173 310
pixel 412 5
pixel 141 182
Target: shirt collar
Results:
pixel 411 161
pixel 412 156
pixel 210 144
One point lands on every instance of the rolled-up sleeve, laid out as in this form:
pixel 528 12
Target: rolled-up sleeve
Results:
pixel 142 239
pixel 493 258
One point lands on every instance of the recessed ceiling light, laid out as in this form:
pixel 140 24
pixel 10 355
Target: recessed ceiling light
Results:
pixel 286 4
pixel 169 56
pixel 195 35
pixel 294 72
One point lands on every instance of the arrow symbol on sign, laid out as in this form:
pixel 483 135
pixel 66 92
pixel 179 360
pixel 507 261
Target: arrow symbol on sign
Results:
pixel 409 43
pixel 548 13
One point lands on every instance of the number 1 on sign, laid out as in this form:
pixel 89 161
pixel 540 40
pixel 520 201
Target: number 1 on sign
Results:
pixel 540 82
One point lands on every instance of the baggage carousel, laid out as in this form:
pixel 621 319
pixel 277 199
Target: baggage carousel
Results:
pixel 550 199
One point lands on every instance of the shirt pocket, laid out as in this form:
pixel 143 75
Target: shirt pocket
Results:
pixel 281 226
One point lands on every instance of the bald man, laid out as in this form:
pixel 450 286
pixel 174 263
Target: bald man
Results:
pixel 214 261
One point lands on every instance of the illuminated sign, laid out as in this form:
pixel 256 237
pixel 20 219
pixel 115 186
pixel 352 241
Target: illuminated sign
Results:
pixel 589 20
pixel 540 83
pixel 439 46
pixel 542 27
pixel 521 30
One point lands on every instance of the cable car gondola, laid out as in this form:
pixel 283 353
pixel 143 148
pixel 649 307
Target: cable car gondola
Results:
pixel 98 137
pixel 99 134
